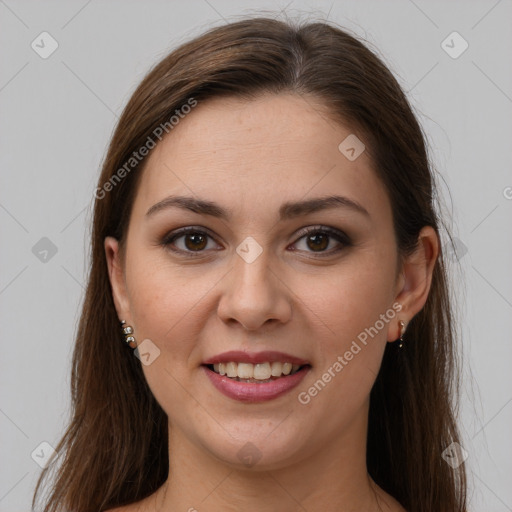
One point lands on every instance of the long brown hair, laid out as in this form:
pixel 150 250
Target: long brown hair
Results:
pixel 115 450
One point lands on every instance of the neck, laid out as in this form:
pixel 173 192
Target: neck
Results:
pixel 333 478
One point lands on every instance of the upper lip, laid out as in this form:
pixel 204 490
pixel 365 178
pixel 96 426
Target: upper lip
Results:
pixel 267 356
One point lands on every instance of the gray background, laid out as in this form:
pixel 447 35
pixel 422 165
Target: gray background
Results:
pixel 58 114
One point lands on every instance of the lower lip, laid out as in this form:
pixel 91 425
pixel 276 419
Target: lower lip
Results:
pixel 253 391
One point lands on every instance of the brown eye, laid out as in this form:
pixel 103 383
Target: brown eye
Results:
pixel 195 242
pixel 187 241
pixel 318 239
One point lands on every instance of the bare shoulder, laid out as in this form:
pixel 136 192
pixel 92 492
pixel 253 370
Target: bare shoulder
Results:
pixel 391 505
pixel 387 503
pixel 134 507
pixel 147 504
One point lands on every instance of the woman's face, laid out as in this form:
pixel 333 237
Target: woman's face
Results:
pixel 252 280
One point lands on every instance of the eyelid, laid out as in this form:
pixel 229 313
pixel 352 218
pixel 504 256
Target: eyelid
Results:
pixel 170 237
pixel 337 234
pixel 340 236
pixel 324 229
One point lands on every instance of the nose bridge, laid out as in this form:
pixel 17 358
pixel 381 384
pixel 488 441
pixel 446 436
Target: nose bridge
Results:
pixel 253 293
pixel 252 272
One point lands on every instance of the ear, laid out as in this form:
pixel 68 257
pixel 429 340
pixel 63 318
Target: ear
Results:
pixel 117 279
pixel 414 282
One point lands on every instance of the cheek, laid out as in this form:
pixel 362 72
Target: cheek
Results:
pixel 165 303
pixel 167 306
pixel 349 299
pixel 350 343
pixel 352 309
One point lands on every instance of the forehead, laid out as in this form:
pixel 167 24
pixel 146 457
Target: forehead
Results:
pixel 250 151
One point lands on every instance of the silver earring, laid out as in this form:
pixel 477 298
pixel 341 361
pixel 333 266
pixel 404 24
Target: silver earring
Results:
pixel 128 335
pixel 401 323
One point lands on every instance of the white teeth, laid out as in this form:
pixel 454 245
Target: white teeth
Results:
pixel 245 370
pixel 262 371
pixel 231 369
pixel 277 369
pixel 259 371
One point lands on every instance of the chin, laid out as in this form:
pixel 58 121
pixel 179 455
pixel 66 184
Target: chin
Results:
pixel 258 449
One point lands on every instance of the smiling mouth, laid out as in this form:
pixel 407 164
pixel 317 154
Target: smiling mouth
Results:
pixel 255 373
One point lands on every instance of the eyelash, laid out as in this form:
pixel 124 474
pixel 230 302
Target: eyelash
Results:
pixel 341 237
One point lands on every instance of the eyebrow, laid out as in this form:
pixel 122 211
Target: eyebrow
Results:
pixel 287 210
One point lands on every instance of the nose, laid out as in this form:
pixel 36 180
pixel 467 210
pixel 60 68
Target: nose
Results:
pixel 253 295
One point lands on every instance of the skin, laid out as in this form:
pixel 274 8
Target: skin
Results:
pixel 250 157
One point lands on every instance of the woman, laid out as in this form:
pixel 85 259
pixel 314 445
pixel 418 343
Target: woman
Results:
pixel 267 323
